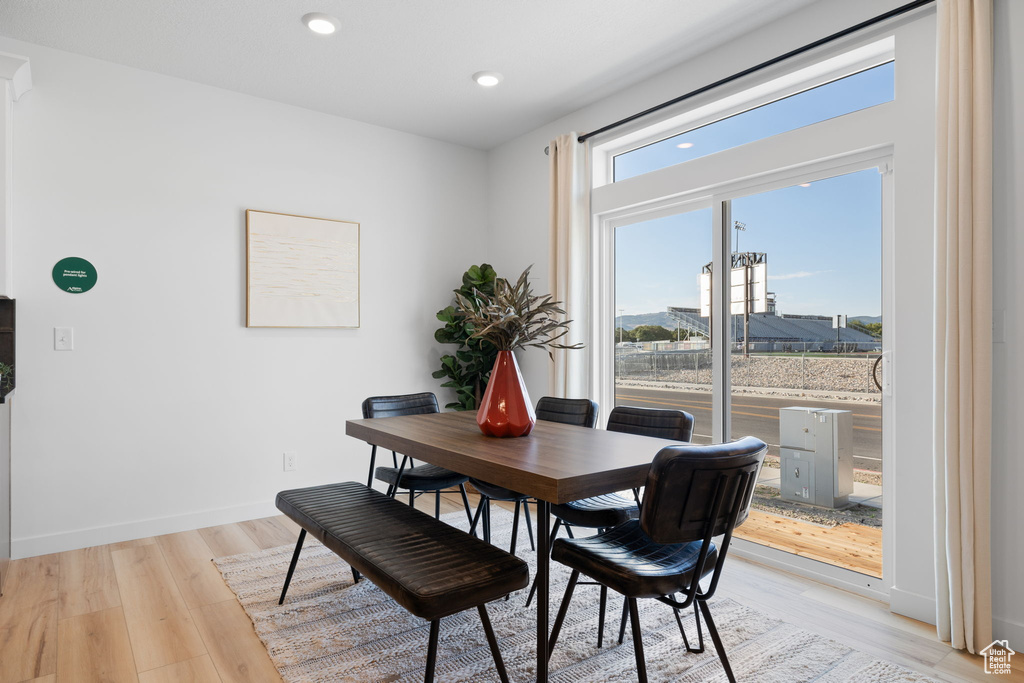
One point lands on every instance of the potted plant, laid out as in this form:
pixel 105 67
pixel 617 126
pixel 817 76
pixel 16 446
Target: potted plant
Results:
pixel 511 317
pixel 468 369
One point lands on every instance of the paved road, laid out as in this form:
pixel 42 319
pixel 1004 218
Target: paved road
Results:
pixel 759 416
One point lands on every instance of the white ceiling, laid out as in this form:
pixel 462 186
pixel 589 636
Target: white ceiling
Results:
pixel 404 64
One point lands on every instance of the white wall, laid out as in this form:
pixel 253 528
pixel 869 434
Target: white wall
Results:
pixel 1008 361
pixel 170 414
pixel 518 220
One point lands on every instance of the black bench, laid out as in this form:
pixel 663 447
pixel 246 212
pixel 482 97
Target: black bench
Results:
pixel 428 567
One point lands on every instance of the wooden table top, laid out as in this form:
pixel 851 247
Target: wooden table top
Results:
pixel 556 462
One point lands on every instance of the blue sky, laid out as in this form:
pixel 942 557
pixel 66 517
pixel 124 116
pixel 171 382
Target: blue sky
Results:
pixel 823 241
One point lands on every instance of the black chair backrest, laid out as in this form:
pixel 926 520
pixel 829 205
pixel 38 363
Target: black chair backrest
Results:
pixel 581 412
pixel 663 424
pixel 406 404
pixel 696 492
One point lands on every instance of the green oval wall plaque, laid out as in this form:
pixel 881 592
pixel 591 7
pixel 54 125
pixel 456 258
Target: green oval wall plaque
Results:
pixel 75 275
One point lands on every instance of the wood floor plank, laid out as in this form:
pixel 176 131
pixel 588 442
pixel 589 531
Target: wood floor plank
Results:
pixel 268 532
pixel 52 678
pixel 228 539
pixel 134 543
pixel 160 626
pixel 235 648
pixel 28 619
pixel 87 582
pixel 963 666
pixel 191 563
pixel 198 670
pixel 94 648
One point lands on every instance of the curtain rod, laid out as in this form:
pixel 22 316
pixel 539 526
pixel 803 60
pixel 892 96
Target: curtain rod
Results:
pixel 903 9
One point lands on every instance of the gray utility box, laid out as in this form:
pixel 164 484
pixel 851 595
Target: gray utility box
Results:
pixel 816 454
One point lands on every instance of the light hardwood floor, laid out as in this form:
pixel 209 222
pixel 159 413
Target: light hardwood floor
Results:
pixel 156 610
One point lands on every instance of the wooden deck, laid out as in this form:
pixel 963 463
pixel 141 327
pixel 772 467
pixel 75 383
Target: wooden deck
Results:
pixel 850 546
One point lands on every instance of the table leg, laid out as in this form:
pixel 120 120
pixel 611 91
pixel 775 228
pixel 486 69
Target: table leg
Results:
pixel 543 560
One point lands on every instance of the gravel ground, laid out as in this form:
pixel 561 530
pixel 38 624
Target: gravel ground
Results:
pixel 851 375
pixel 766 499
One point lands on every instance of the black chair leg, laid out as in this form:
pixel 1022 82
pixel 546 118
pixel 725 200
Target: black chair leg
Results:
pixel 493 642
pixel 465 503
pixel 638 645
pixel 412 498
pixel 291 567
pixel 428 677
pixel 373 460
pixel 551 539
pixel 600 615
pixel 515 528
pixel 716 639
pixel 569 588
pixel 529 525
pixel 622 624
pixel 700 634
pixel 355 575
pixel 477 517
pixel 437 504
pixel 487 520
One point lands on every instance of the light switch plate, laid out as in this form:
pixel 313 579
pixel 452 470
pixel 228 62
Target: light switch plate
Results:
pixel 63 339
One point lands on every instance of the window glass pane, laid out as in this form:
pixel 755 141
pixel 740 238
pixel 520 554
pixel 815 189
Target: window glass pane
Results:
pixel 852 93
pixel 805 340
pixel 662 350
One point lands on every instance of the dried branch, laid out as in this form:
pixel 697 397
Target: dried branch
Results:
pixel 513 318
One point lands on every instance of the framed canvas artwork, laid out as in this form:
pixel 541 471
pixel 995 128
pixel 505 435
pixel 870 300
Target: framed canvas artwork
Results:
pixel 301 272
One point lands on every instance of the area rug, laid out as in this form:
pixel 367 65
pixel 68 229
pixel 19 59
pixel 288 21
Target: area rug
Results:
pixel 330 629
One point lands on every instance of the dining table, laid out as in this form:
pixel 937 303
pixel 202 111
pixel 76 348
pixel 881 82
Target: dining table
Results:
pixel 556 463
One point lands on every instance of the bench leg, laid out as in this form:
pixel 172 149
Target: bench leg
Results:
pixel 493 642
pixel 355 575
pixel 428 677
pixel 291 567
pixel 437 504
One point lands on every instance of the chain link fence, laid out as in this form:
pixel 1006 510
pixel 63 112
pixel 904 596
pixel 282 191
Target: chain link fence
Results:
pixel 803 370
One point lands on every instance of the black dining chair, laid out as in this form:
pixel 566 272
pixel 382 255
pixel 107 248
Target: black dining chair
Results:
pixel 612 509
pixel 693 494
pixel 581 412
pixel 415 478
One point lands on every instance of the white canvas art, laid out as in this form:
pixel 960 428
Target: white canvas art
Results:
pixel 302 272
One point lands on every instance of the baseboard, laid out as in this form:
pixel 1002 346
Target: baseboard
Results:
pixel 811 569
pixel 115 533
pixel 913 605
pixel 1005 629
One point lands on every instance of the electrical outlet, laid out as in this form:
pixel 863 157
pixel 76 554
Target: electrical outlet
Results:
pixel 63 339
pixel 291 461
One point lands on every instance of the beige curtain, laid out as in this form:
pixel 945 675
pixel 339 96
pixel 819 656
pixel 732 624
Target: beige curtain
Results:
pixel 963 323
pixel 570 262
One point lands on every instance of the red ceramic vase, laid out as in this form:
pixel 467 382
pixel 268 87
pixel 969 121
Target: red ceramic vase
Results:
pixel 506 409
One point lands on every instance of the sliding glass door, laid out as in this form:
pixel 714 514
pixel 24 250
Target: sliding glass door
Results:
pixel 662 344
pixel 806 334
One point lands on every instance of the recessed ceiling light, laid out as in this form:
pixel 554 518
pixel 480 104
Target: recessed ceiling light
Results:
pixel 805 184
pixel 321 23
pixel 488 79
pixel 685 145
